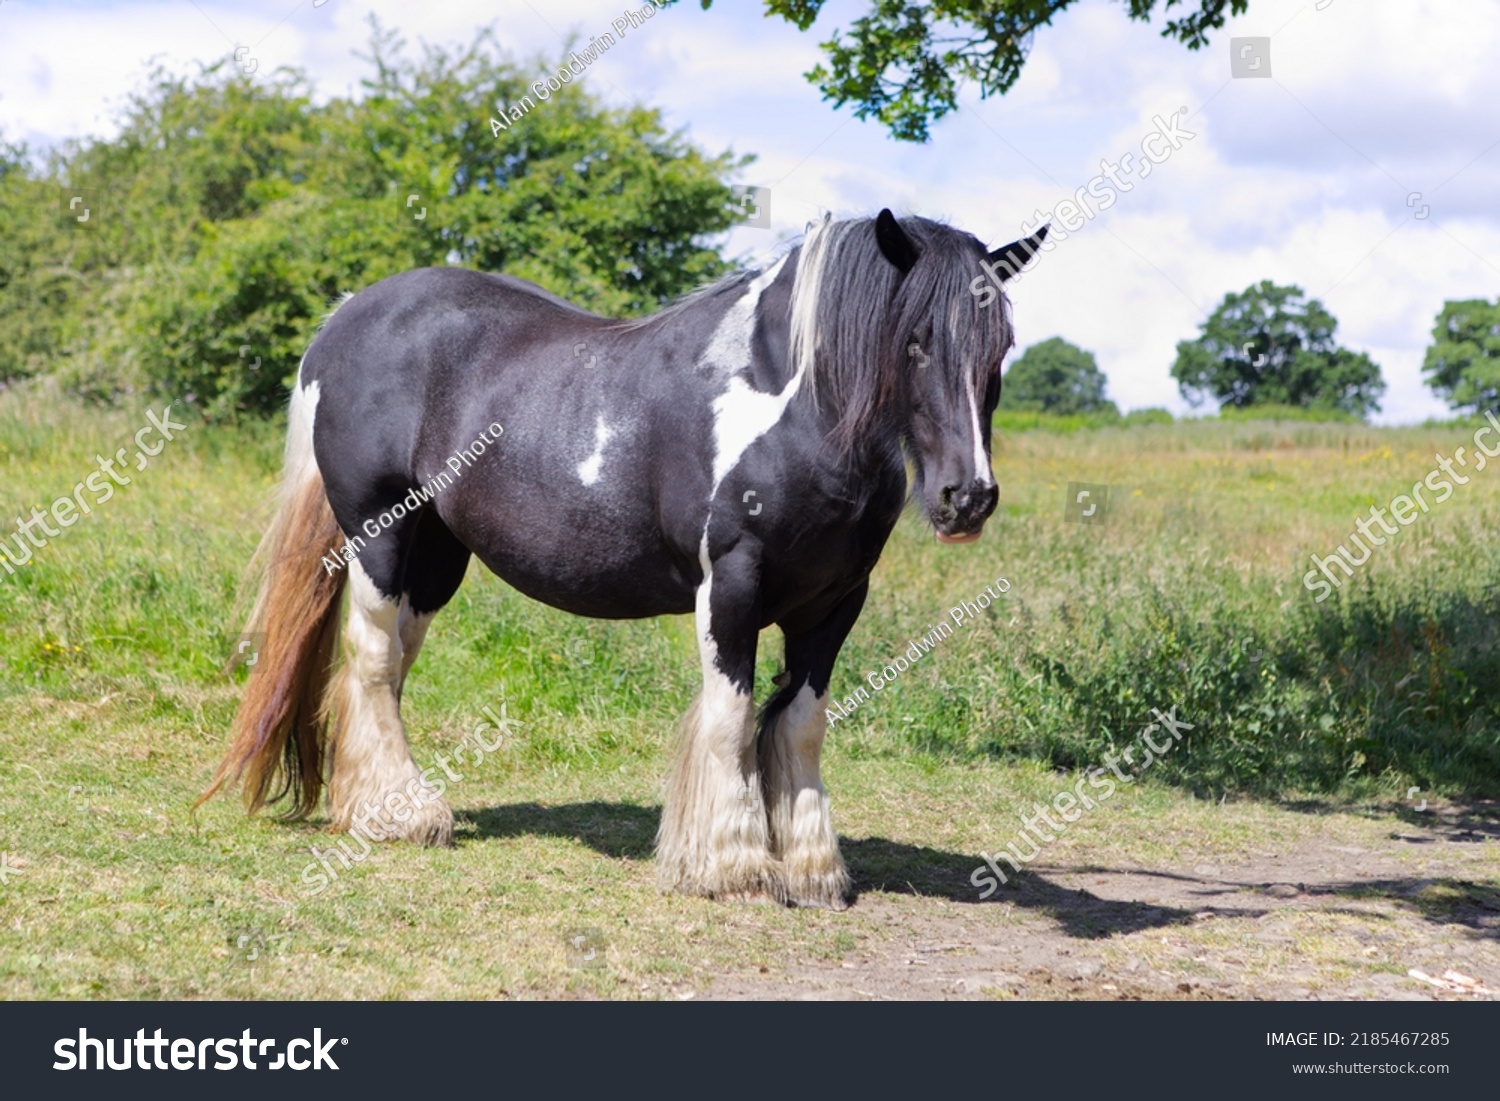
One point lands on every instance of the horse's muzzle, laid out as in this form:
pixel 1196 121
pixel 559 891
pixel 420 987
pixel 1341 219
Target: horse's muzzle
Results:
pixel 961 513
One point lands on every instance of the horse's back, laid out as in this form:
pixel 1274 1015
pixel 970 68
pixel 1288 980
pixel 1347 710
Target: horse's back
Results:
pixel 417 352
pixel 432 309
pixel 595 497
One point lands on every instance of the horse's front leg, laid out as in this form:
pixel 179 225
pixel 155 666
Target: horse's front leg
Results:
pixel 791 748
pixel 713 839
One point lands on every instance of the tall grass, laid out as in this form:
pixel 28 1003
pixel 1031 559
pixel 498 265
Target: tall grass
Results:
pixel 1188 595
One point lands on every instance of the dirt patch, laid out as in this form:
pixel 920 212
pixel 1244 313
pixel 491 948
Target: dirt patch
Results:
pixel 1316 921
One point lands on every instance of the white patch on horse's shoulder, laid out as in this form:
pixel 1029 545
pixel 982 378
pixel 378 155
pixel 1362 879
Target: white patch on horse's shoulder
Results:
pixel 742 414
pixel 728 350
pixel 588 470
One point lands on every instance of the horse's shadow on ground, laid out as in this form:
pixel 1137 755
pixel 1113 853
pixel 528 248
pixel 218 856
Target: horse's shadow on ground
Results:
pixel 1470 821
pixel 623 830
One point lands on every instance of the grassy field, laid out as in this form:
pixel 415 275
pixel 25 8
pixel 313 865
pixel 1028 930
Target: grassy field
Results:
pixel 1311 722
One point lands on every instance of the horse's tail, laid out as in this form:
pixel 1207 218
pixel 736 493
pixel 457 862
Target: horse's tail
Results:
pixel 280 726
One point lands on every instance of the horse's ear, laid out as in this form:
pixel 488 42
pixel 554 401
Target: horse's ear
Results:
pixel 896 246
pixel 1013 257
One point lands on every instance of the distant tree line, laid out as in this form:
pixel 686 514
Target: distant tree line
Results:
pixel 1271 345
pixel 195 253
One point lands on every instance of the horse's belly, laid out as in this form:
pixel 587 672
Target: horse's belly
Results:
pixel 603 593
pixel 594 568
pixel 605 535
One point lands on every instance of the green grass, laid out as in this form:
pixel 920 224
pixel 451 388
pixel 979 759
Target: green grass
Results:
pixel 1189 595
pixel 1296 413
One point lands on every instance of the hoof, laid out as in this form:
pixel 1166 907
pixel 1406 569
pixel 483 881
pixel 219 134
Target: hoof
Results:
pixel 429 824
pixel 763 882
pixel 825 889
pixel 430 827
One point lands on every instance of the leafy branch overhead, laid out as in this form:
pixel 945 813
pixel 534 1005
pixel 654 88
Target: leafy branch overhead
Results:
pixel 903 63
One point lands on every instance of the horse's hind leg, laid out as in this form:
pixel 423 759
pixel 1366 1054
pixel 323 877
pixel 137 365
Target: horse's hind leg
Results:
pixel 790 748
pixel 713 839
pixel 435 565
pixel 374 785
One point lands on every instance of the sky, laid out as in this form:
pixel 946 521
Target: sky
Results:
pixel 1365 169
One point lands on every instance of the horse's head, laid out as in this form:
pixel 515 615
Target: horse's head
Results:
pixel 952 331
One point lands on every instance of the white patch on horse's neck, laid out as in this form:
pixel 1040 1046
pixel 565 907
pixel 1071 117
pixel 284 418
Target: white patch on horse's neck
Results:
pixel 588 470
pixel 728 350
pixel 742 414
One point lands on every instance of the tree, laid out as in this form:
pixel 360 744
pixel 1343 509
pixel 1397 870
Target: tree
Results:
pixel 1056 377
pixel 903 63
pixel 1463 364
pixel 34 290
pixel 239 208
pixel 1271 345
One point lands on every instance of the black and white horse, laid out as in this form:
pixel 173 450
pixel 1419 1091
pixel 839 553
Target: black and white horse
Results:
pixel 741 455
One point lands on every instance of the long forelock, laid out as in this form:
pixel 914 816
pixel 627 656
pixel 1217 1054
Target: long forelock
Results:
pixel 966 339
pixel 853 314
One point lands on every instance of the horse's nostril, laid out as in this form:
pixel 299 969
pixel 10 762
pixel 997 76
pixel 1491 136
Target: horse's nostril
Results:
pixel 975 501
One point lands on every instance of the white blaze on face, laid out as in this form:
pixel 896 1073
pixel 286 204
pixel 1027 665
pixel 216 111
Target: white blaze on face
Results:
pixel 981 461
